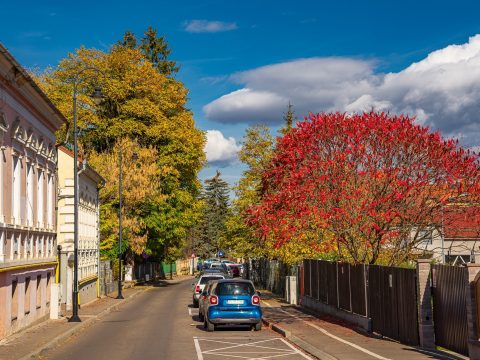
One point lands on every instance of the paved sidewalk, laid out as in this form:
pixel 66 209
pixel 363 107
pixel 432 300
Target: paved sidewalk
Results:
pixel 329 339
pixel 31 342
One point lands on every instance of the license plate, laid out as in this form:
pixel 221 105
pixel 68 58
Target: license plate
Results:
pixel 235 302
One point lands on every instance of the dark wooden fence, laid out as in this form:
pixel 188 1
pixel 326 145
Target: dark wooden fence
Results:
pixel 449 307
pixel 387 295
pixel 392 300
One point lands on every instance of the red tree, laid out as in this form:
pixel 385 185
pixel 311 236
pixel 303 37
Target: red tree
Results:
pixel 370 181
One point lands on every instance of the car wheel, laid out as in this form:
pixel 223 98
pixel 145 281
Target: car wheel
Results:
pixel 258 326
pixel 210 326
pixel 201 316
pixel 195 303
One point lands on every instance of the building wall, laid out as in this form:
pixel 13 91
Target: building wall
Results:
pixel 27 205
pixel 88 243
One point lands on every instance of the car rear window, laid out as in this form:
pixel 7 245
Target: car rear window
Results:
pixel 206 279
pixel 235 288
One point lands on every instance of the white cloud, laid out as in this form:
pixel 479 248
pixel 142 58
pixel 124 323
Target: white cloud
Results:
pixel 206 26
pixel 220 150
pixel 442 90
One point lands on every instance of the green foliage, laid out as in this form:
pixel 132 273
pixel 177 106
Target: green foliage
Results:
pixel 215 212
pixel 154 48
pixel 257 149
pixel 146 108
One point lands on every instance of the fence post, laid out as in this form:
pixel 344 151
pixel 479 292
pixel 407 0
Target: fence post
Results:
pixel 426 330
pixel 473 341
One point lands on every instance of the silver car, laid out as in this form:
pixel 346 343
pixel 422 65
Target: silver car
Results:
pixel 203 299
pixel 200 285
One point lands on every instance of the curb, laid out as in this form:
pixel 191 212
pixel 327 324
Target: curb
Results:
pixel 33 355
pixel 306 347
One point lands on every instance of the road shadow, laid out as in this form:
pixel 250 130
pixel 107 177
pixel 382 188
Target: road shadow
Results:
pixel 227 328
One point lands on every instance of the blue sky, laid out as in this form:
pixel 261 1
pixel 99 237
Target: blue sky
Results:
pixel 244 60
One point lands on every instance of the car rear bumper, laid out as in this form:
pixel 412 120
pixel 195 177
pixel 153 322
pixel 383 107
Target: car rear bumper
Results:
pixel 217 315
pixel 234 321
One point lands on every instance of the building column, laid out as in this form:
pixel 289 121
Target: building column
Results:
pixel 426 330
pixel 473 288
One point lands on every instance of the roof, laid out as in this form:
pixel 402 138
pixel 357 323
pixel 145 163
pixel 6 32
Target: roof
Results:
pixel 23 73
pixel 91 172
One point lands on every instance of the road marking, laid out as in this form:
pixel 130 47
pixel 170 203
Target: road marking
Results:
pixel 256 350
pixel 337 338
pixel 266 303
pixel 197 348
pixel 294 348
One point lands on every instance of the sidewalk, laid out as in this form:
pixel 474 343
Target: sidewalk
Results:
pixel 29 343
pixel 329 339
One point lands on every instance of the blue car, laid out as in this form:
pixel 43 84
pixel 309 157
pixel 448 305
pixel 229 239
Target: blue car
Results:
pixel 233 302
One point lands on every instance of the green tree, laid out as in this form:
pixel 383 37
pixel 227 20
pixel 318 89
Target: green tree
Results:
pixel 215 211
pixel 147 107
pixel 257 149
pixel 154 48
pixel 288 119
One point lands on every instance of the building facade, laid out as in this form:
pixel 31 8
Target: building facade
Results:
pixel 455 239
pixel 88 229
pixel 28 158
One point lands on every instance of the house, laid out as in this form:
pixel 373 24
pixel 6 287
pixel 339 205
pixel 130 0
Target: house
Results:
pixel 89 182
pixel 456 237
pixel 28 161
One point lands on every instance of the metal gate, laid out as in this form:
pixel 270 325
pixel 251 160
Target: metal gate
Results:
pixel 449 307
pixel 392 294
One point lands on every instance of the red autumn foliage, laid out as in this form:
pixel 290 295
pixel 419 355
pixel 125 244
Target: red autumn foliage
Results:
pixel 372 181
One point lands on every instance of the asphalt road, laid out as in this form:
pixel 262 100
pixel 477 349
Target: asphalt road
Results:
pixel 161 324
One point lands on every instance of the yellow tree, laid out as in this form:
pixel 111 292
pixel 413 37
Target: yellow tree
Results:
pixel 147 106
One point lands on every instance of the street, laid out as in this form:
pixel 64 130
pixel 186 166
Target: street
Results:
pixel 161 324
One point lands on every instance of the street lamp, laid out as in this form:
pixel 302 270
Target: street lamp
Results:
pixel 120 229
pixel 97 98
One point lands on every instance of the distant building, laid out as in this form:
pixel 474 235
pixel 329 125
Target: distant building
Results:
pixel 28 160
pixel 88 226
pixel 456 236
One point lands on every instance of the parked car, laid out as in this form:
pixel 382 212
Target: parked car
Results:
pixel 203 299
pixel 235 270
pixel 199 285
pixel 228 262
pixel 221 266
pixel 232 302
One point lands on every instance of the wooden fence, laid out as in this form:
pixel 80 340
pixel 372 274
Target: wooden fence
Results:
pixel 386 295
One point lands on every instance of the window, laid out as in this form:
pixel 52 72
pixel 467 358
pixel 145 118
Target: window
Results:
pixel 48 288
pixel 15 247
pixel 16 191
pixel 425 237
pixel 27 296
pixel 235 288
pixel 2 246
pixel 50 201
pixel 14 306
pixel 40 201
pixel 206 279
pixel 39 292
pixel 29 194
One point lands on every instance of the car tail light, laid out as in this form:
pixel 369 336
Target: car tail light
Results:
pixel 198 289
pixel 204 297
pixel 213 300
pixel 255 300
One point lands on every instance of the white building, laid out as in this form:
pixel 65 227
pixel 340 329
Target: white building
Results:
pixel 88 226
pixel 28 159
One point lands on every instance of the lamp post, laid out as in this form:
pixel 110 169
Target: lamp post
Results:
pixel 120 228
pixel 97 97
